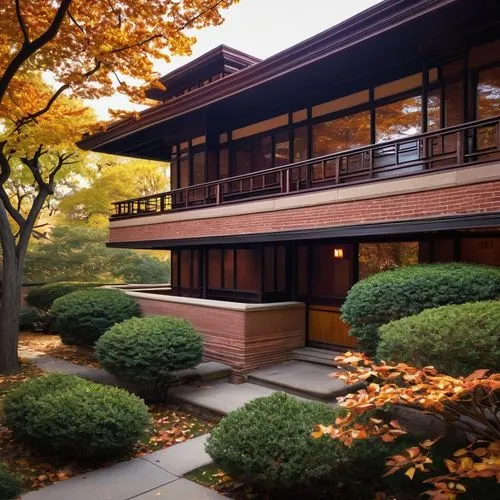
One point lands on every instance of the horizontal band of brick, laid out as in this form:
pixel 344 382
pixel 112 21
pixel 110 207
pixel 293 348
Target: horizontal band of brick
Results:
pixel 245 339
pixel 460 200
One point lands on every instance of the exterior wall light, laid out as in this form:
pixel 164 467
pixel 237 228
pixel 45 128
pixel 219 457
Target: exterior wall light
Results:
pixel 338 253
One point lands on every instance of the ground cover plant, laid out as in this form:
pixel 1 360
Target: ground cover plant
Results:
pixel 149 350
pixel 455 339
pixel 10 487
pixel 83 316
pixel 405 291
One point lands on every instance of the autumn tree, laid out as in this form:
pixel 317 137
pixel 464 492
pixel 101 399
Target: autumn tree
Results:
pixel 89 50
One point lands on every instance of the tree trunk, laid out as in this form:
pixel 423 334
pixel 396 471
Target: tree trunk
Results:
pixel 10 306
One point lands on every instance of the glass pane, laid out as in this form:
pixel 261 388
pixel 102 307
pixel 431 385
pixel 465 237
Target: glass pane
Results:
pixel 262 151
pixel 242 157
pixel 214 269
pixel 199 167
pixel 434 110
pixel 300 144
pixel 229 269
pixel 376 257
pixel 280 269
pixel 223 163
pixel 341 134
pixel 488 93
pixel 184 170
pixel 248 270
pixel 454 103
pixel 282 149
pixel 185 256
pixel 399 119
pixel 269 270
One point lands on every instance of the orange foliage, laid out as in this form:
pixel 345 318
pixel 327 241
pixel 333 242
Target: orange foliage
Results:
pixel 469 404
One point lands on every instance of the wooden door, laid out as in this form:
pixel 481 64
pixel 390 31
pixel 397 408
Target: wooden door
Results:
pixel 326 327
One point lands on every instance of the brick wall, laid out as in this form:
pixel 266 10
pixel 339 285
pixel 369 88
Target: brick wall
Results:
pixel 244 339
pixel 460 200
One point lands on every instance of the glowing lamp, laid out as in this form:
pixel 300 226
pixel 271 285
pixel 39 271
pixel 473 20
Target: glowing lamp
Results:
pixel 338 253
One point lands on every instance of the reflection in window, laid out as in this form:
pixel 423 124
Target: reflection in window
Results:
pixel 282 149
pixel 198 168
pixel 243 157
pixel 341 134
pixel 434 110
pixel 300 144
pixel 184 170
pixel 262 153
pixel 376 257
pixel 488 104
pixel 399 119
pixel 488 93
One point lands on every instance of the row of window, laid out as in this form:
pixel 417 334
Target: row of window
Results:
pixel 379 123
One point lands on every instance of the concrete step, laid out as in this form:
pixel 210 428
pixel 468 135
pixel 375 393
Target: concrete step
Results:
pixel 316 355
pixel 204 372
pixel 304 379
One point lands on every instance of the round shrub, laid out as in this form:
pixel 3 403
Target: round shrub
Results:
pixel 268 444
pixel 10 487
pixel 148 350
pixel 455 339
pixel 406 291
pixel 83 316
pixel 27 317
pixel 68 416
pixel 44 296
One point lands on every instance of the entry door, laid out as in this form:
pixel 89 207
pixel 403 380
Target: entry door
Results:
pixel 325 326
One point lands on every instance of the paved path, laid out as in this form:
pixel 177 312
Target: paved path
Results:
pixel 157 475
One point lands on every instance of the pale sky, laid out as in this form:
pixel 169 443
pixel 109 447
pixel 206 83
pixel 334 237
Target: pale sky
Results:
pixel 260 28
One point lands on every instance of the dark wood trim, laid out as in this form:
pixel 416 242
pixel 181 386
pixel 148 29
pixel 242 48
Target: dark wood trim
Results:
pixel 416 226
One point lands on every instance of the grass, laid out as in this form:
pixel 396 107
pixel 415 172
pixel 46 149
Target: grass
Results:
pixel 170 426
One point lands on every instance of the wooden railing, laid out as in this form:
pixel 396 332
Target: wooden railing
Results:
pixel 461 145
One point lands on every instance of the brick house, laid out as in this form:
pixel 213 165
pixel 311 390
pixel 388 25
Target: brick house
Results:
pixel 373 144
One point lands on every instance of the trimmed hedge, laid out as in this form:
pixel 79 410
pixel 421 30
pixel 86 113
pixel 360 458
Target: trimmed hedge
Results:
pixel 268 444
pixel 27 317
pixel 44 296
pixel 71 417
pixel 83 316
pixel 391 295
pixel 455 339
pixel 148 350
pixel 10 488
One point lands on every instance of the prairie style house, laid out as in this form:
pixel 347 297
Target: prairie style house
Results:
pixel 371 145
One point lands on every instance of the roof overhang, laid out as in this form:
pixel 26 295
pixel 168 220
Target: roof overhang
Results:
pixel 327 46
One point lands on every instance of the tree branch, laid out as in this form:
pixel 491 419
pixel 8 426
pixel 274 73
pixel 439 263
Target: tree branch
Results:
pixel 52 100
pixel 5 171
pixel 30 48
pixel 22 24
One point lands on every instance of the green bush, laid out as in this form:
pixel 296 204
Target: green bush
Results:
pixel 268 444
pixel 406 291
pixel 148 350
pixel 44 296
pixel 10 487
pixel 455 339
pixel 71 417
pixel 27 317
pixel 83 316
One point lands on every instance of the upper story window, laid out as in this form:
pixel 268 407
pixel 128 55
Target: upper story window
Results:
pixel 399 119
pixel 488 93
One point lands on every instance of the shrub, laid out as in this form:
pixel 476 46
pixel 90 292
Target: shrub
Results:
pixel 27 317
pixel 455 339
pixel 10 487
pixel 83 316
pixel 148 350
pixel 75 418
pixel 44 296
pixel 268 444
pixel 405 291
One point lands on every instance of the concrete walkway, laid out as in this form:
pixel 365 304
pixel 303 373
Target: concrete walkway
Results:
pixel 157 475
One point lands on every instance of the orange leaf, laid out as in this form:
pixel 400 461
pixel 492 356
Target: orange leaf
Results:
pixel 460 452
pixel 410 472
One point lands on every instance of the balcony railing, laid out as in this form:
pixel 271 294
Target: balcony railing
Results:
pixel 462 145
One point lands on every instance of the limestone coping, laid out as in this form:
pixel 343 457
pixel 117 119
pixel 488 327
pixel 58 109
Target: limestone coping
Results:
pixel 214 304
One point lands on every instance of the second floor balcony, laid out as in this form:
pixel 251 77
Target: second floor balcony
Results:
pixel 462 145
